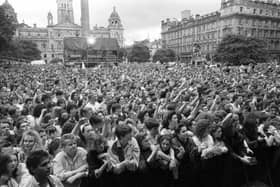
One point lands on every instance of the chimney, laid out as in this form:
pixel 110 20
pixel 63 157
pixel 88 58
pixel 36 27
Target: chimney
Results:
pixel 34 25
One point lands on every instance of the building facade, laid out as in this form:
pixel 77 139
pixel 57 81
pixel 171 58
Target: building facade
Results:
pixel 49 39
pixel 260 19
pixel 114 30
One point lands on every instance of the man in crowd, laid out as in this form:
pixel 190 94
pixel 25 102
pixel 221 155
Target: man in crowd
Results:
pixel 70 164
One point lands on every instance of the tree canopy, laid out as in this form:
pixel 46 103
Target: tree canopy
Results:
pixel 237 50
pixel 11 47
pixel 139 53
pixel 164 55
pixel 22 49
pixel 7 29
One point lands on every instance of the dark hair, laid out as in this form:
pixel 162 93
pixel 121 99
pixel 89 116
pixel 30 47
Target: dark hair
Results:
pixel 60 101
pixel 151 123
pixel 5 159
pixel 201 127
pixel 168 117
pixel 179 127
pixel 70 106
pixel 122 130
pixel 140 137
pixel 235 97
pixel 37 110
pixel 53 146
pixel 35 158
pixel 95 119
pixel 45 97
pixel 59 93
pixel 67 127
pixel 115 106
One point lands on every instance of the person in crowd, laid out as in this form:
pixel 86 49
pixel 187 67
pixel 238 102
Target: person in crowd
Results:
pixel 188 121
pixel 70 164
pixel 99 164
pixel 8 165
pixel 39 166
pixel 124 155
pixel 167 169
pixel 148 154
pixel 30 141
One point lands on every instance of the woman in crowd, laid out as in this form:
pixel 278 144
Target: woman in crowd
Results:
pixel 30 141
pixel 146 167
pixel 167 169
pixel 99 165
pixel 8 166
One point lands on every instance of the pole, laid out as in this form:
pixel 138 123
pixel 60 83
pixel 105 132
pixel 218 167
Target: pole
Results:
pixel 87 56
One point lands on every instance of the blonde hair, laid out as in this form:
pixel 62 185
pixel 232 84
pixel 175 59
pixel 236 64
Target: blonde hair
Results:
pixel 38 145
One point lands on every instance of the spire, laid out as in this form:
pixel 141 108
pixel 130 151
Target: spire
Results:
pixel 114 9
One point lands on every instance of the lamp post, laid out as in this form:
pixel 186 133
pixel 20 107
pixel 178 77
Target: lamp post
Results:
pixel 90 41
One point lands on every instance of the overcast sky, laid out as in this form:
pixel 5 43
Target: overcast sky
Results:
pixel 141 18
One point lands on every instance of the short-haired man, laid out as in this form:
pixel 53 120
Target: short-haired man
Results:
pixel 124 155
pixel 70 164
pixel 39 165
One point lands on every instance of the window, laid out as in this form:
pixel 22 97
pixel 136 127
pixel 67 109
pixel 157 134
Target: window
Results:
pixel 254 11
pixel 261 11
pixel 45 55
pixel 241 9
pixel 52 55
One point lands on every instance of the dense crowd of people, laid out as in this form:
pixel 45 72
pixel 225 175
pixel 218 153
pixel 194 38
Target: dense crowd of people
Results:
pixel 140 125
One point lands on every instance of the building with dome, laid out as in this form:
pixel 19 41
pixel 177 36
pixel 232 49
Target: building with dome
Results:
pixel 114 30
pixel 50 39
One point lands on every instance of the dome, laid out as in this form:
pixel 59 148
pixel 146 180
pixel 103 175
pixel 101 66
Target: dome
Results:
pixel 114 14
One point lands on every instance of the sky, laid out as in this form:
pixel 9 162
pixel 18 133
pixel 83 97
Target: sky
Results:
pixel 141 18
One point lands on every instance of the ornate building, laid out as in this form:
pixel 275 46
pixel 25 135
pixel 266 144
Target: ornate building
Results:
pixel 50 39
pixel 260 19
pixel 114 30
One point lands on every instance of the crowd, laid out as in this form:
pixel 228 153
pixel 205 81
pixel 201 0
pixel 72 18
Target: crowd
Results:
pixel 140 125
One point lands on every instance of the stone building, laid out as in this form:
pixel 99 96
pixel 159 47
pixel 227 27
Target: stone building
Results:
pixel 260 19
pixel 50 39
pixel 114 30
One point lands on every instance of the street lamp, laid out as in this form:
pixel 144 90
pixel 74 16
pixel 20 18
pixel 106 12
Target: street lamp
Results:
pixel 90 41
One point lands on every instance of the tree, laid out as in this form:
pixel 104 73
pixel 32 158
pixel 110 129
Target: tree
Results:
pixel 237 49
pixel 7 29
pixel 22 49
pixel 164 55
pixel 122 53
pixel 139 53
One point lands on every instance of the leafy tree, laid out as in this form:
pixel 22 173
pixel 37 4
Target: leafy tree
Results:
pixel 139 53
pixel 164 55
pixel 237 49
pixel 22 49
pixel 7 29
pixel 122 53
